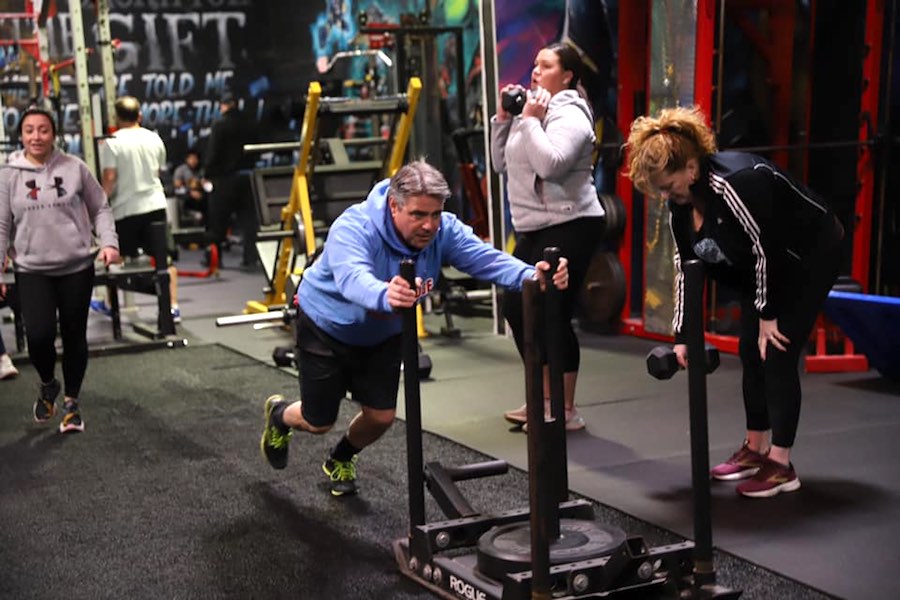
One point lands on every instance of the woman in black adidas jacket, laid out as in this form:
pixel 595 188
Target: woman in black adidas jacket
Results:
pixel 765 234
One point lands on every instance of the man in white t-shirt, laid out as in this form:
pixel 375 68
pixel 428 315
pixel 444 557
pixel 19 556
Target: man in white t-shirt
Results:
pixel 131 161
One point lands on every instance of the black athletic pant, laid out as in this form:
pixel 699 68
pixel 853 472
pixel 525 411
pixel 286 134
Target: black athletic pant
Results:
pixel 577 241
pixel 41 297
pixel 232 195
pixel 772 388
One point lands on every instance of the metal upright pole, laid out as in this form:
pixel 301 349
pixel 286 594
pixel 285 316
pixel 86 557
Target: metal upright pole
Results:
pixel 704 571
pixel 40 32
pixel 489 86
pixel 107 64
pixel 84 92
pixel 544 510
pixel 415 466
pixel 553 344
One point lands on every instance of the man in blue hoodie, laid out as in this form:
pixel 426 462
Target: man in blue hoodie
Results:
pixel 349 324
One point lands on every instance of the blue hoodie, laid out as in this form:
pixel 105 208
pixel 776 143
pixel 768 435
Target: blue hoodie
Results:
pixel 345 291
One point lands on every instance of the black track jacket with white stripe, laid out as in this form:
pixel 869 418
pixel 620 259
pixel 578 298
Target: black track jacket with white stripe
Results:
pixel 760 228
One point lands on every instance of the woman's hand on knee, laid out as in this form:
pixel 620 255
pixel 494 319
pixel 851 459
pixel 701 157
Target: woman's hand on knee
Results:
pixel 769 334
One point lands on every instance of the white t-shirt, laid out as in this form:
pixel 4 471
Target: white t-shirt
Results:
pixel 137 154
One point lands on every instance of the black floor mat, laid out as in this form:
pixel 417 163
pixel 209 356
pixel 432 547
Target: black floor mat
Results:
pixel 166 495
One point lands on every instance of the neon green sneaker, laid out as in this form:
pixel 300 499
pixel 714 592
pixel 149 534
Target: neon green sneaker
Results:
pixel 342 474
pixel 275 438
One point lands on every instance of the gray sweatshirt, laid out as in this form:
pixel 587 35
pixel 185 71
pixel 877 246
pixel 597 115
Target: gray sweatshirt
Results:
pixel 47 213
pixel 548 164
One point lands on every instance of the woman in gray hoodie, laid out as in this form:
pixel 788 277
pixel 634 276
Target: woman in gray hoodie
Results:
pixel 546 153
pixel 49 205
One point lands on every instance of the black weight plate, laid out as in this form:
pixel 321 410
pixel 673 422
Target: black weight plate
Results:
pixel 507 549
pixel 614 226
pixel 602 295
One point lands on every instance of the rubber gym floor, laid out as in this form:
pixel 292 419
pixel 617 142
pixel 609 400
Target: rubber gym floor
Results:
pixel 165 494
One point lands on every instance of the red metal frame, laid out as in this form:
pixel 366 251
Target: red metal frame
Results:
pixel 868 120
pixel 212 268
pixel 32 45
pixel 777 49
pixel 704 55
pixel 633 76
pixel 848 360
pixel 822 362
pixel 634 35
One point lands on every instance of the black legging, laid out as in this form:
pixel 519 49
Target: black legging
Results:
pixel 40 298
pixel 772 388
pixel 577 241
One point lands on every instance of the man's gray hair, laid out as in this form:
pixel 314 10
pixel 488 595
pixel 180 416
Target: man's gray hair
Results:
pixel 418 178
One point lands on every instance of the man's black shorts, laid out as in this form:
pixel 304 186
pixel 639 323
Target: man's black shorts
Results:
pixel 329 369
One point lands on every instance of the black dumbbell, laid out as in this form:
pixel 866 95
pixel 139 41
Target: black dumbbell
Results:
pixel 283 356
pixel 663 364
pixel 424 365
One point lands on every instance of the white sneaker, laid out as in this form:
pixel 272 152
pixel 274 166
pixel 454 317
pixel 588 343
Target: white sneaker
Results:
pixel 520 415
pixel 7 369
pixel 574 421
pixel 517 416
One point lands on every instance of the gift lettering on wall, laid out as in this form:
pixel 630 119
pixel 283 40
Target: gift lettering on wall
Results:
pixel 177 56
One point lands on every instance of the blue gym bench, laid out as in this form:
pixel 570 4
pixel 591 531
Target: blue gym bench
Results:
pixel 873 324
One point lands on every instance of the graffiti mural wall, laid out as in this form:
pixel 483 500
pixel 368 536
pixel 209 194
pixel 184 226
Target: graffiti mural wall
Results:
pixel 178 56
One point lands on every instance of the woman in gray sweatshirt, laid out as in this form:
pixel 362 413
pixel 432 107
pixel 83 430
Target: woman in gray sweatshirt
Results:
pixel 546 153
pixel 49 205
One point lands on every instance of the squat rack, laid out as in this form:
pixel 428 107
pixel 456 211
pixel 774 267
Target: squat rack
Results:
pixel 297 234
pixel 775 49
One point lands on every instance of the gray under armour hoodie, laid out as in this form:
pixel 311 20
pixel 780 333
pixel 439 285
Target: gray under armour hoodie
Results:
pixel 548 163
pixel 47 213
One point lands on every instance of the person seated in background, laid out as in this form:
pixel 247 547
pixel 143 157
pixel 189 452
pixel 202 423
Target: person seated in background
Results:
pixel 349 311
pixel 191 190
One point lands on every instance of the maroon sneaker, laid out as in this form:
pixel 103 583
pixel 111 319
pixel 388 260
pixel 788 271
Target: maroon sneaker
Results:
pixel 771 479
pixel 742 464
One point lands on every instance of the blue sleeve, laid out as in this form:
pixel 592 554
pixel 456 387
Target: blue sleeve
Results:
pixel 352 261
pixel 468 253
